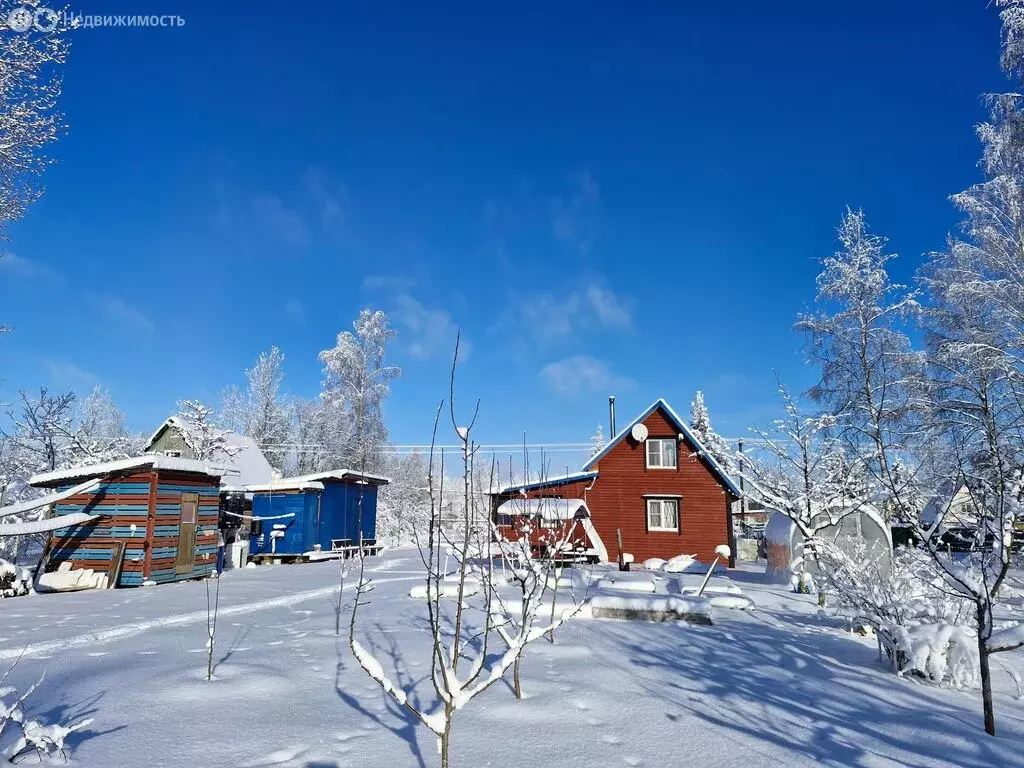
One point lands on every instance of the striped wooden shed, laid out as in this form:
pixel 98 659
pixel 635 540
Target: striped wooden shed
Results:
pixel 153 518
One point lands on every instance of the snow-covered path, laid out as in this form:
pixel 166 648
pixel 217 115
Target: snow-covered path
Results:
pixel 776 686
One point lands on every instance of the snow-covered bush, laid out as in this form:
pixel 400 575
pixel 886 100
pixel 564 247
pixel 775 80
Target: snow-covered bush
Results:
pixel 941 653
pixel 35 736
pixel 921 627
pixel 14 581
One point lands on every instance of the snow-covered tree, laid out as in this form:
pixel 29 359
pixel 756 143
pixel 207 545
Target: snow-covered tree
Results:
pixel 318 431
pixel 102 433
pixel 56 431
pixel 870 374
pixel 31 67
pixel 804 472
pixel 597 441
pixel 260 411
pixel 402 504
pixel 201 433
pixel 715 444
pixel 975 341
pixel 357 382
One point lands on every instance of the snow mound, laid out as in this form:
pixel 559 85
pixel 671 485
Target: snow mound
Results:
pixel 449 590
pixel 633 585
pixel 689 564
pixel 710 589
pixel 652 608
pixel 653 564
pixel 680 563
pixel 734 602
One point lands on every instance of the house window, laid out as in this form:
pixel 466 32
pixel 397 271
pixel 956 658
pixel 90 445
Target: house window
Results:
pixel 173 454
pixel 661 453
pixel 663 515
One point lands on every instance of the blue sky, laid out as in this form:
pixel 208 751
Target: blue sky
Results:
pixel 623 197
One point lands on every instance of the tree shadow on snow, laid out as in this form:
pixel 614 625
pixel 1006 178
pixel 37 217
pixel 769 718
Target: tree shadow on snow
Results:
pixel 795 684
pixel 410 724
pixel 236 643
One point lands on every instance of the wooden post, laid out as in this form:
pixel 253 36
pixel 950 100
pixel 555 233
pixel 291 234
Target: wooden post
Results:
pixel 618 541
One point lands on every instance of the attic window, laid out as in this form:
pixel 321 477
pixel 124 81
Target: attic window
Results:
pixel 661 453
pixel 173 454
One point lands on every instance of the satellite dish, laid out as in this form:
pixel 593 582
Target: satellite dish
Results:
pixel 639 432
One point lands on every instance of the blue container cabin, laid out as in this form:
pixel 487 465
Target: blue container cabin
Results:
pixel 294 517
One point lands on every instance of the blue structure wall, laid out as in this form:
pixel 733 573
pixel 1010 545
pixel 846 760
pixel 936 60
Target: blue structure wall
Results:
pixel 299 531
pixel 319 517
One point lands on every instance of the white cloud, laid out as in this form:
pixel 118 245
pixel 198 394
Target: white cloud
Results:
pixel 609 308
pixel 328 196
pixel 428 332
pixel 18 266
pixel 575 218
pixel 548 318
pixel 582 374
pixel 126 315
pixel 67 375
pixel 294 308
pixel 287 224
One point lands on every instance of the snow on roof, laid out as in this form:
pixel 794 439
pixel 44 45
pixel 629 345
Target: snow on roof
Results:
pixel 286 484
pixel 556 480
pixel 682 427
pixel 43 526
pixel 51 498
pixel 153 461
pixel 248 465
pixel 548 509
pixel 253 467
pixel 317 480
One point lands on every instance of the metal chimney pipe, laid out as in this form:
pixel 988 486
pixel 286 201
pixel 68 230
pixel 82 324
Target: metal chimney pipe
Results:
pixel 611 415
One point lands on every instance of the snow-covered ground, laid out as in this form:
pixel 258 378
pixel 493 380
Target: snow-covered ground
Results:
pixel 772 686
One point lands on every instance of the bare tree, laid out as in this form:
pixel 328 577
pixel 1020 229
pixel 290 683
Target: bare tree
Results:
pixel 212 607
pixel 462 662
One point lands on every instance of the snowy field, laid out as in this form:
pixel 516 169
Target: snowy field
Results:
pixel 774 686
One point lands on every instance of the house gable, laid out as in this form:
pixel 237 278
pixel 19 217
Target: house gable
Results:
pixel 662 421
pixel 168 440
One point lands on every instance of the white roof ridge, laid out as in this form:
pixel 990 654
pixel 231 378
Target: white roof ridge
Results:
pixel 153 460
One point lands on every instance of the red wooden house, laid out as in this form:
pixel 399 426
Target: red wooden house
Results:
pixel 654 484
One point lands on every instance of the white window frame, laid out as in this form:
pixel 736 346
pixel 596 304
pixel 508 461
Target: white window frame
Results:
pixel 661 501
pixel 673 452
